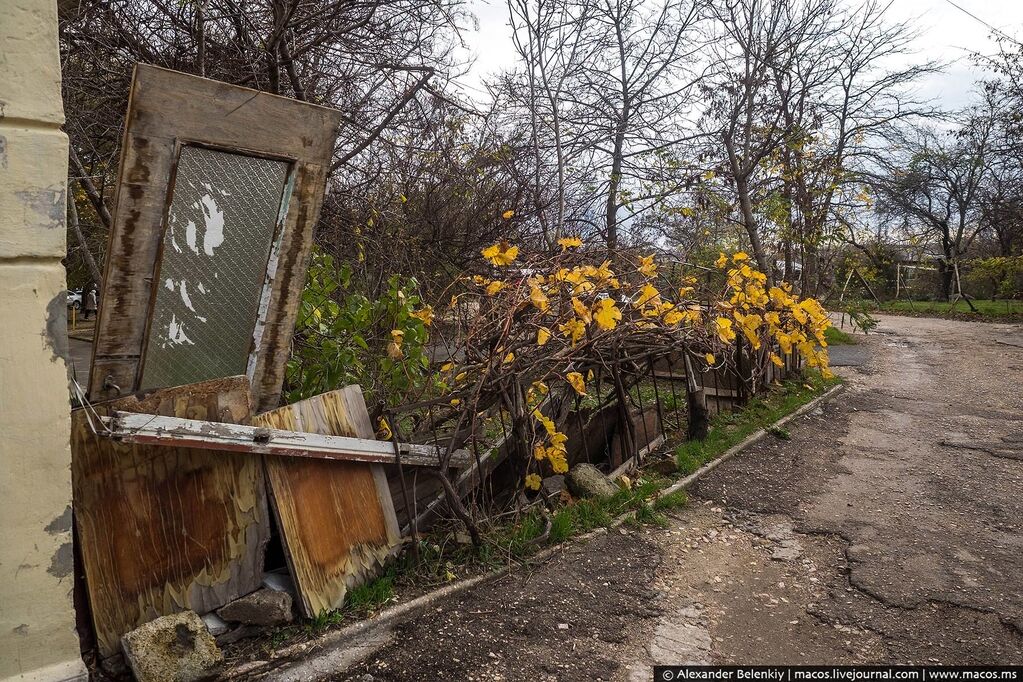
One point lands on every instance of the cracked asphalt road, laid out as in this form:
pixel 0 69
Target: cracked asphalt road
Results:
pixel 888 529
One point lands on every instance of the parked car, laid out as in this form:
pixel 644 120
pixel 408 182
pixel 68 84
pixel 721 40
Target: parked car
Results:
pixel 74 299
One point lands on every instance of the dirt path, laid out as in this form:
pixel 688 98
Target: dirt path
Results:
pixel 888 529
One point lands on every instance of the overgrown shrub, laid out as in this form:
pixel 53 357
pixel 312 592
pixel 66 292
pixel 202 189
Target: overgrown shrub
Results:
pixel 1000 277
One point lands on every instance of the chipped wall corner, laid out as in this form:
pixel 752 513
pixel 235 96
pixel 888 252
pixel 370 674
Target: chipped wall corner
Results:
pixel 37 620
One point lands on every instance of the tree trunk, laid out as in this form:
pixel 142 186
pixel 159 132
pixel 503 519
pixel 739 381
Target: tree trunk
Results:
pixel 750 223
pixel 611 211
pixel 90 262
pixel 945 275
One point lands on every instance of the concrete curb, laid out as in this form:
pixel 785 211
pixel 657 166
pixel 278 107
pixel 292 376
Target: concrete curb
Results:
pixel 335 639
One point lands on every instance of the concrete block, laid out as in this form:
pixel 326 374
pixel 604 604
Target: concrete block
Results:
pixel 176 648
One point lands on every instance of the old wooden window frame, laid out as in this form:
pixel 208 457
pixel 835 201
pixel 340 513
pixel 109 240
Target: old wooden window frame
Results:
pixel 168 111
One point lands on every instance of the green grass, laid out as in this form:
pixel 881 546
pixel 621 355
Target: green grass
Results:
pixel 731 428
pixel 986 309
pixel 517 540
pixel 836 337
pixel 359 601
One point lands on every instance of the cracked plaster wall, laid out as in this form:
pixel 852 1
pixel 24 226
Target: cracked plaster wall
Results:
pixel 37 621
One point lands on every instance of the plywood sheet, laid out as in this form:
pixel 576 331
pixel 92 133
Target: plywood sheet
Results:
pixel 164 529
pixel 336 518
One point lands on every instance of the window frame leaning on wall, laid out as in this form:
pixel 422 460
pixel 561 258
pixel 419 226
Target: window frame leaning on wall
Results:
pixel 167 112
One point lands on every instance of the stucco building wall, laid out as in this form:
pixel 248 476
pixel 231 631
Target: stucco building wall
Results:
pixel 37 635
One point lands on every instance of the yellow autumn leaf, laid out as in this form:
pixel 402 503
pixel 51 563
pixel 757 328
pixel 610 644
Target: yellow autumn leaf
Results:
pixel 543 335
pixel 646 266
pixel 607 315
pixel 647 295
pixel 383 429
pixel 724 329
pixel 509 358
pixel 394 347
pixel 740 256
pixel 581 310
pixel 508 215
pixel 709 357
pixel 570 243
pixel 673 317
pixel 495 287
pixel 558 440
pixel 559 464
pixel 721 262
pixel 575 329
pixel 455 402
pixel 577 382
pixel 777 360
pixel 538 298
pixel 533 482
pixel 425 314
pixel 501 253
pixel 547 422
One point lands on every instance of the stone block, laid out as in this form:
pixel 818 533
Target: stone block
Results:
pixel 175 648
pixel 262 607
pixel 30 66
pixel 586 480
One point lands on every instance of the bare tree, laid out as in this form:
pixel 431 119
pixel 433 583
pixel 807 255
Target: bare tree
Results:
pixel 934 183
pixel 553 41
pixel 635 96
pixel 840 115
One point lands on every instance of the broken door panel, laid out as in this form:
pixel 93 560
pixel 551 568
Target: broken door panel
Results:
pixel 276 152
pixel 163 529
pixel 220 228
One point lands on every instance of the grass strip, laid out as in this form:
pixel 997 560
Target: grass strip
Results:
pixel 731 428
pixel 987 309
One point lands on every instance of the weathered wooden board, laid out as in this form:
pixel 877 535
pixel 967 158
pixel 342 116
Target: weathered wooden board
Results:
pixel 167 111
pixel 164 529
pixel 336 518
pixel 154 429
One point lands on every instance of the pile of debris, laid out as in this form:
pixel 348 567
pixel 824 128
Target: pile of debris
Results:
pixel 178 453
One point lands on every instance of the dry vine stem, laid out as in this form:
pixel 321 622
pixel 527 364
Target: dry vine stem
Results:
pixel 533 331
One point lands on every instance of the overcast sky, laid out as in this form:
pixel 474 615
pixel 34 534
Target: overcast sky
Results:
pixel 947 34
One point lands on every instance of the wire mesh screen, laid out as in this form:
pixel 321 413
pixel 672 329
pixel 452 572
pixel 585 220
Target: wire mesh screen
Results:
pixel 219 233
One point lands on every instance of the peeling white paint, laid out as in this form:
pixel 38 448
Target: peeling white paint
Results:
pixel 213 236
pixel 176 333
pixel 190 236
pixel 185 297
